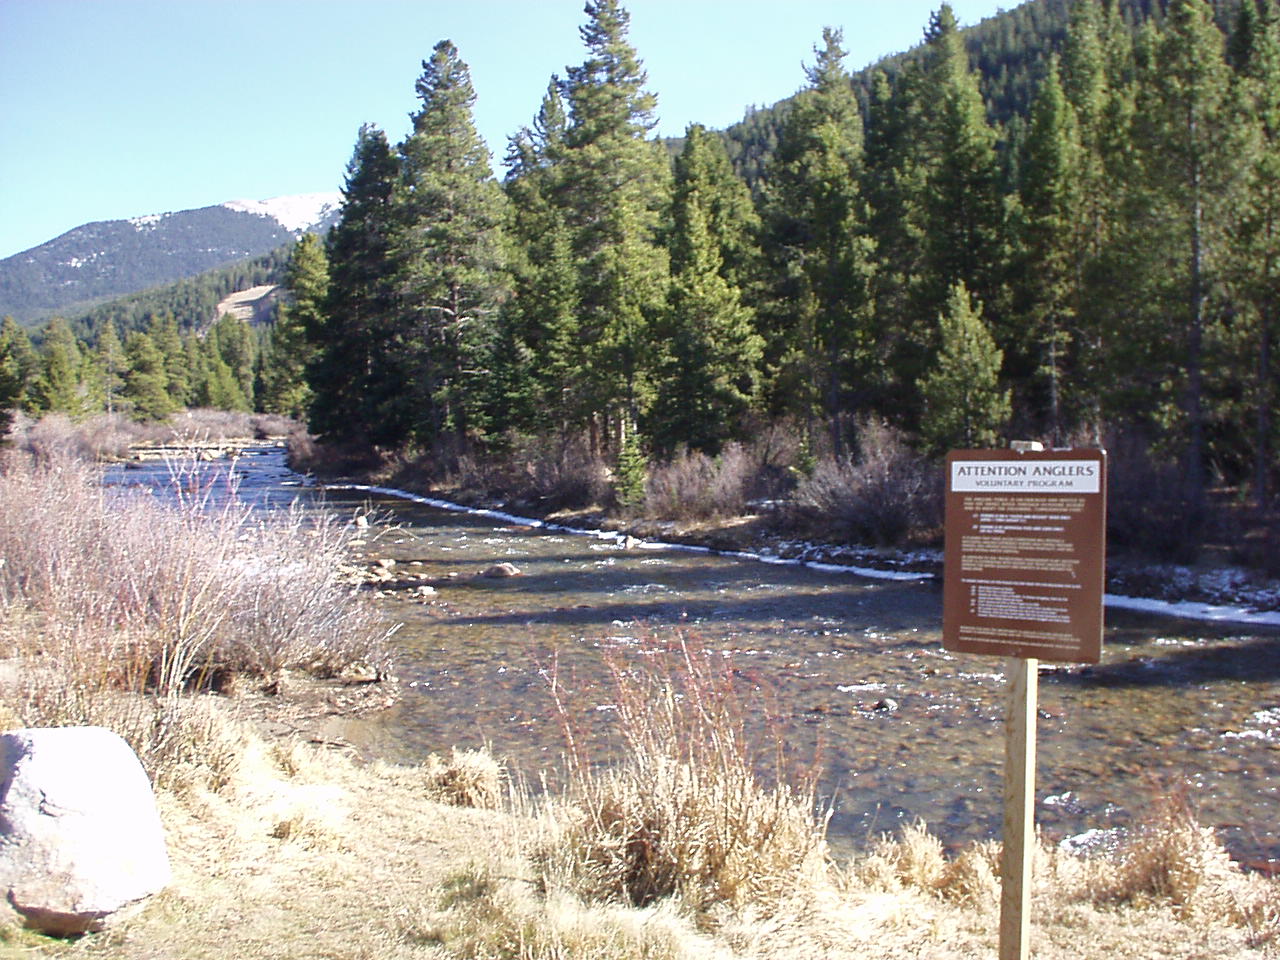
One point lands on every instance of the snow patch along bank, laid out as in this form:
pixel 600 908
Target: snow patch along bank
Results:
pixel 1187 610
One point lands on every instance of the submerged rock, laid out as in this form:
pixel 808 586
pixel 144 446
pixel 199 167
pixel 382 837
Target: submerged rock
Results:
pixel 80 836
pixel 503 569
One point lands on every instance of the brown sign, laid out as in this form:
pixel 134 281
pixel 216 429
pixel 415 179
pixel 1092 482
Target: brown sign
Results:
pixel 1025 546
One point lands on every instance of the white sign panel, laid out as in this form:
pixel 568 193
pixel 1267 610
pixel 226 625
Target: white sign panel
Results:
pixel 1047 476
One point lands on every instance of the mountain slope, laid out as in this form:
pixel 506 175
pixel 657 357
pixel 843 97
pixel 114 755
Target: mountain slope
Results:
pixel 98 261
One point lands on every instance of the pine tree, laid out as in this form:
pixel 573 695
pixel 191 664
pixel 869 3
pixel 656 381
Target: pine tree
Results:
pixel 164 333
pixel 449 248
pixel 710 351
pixel 539 348
pixel 110 361
pixel 60 386
pixel 230 346
pixel 964 405
pixel 353 380
pixel 1255 231
pixel 1188 136
pixel 614 187
pixel 285 362
pixel 894 185
pixel 824 345
pixel 145 390
pixel 1051 215
pixel 220 388
pixel 963 238
pixel 1097 68
pixel 20 359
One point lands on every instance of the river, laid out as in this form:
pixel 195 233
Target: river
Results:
pixel 849 670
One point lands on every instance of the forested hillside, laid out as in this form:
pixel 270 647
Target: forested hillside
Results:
pixel 97 261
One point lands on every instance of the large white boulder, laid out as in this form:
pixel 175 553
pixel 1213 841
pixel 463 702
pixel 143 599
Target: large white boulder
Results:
pixel 80 836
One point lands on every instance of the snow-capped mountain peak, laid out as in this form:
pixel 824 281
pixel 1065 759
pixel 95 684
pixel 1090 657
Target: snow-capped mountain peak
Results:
pixel 296 213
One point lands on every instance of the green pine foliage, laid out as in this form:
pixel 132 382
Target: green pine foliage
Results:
pixel 964 404
pixel 146 383
pixel 823 344
pixel 449 253
pixel 1063 221
pixel 707 374
pixel 351 345
pixel 60 386
pixel 615 187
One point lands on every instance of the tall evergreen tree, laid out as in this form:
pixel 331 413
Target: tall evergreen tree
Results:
pixel 1050 222
pixel 20 359
pixel 352 340
pixel 1188 137
pixel 539 350
pixel 289 352
pixel 166 337
pixel 230 342
pixel 1255 233
pixel 615 186
pixel 60 386
pixel 825 346
pixel 964 234
pixel 710 352
pixel 110 361
pixel 449 249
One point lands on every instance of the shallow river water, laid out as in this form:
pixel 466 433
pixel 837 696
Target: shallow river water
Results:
pixel 851 670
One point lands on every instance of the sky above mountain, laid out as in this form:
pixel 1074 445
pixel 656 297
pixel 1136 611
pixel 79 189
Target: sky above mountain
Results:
pixel 111 109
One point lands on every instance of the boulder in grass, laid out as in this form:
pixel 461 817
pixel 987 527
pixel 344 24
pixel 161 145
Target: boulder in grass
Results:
pixel 80 836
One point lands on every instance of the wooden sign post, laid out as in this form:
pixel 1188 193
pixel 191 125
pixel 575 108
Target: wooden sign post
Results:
pixel 1025 563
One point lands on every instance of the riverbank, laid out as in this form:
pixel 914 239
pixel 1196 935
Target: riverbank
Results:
pixel 300 853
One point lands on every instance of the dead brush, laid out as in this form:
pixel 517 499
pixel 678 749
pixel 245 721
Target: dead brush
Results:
pixel 684 813
pixel 1170 858
pixel 119 593
pixel 694 486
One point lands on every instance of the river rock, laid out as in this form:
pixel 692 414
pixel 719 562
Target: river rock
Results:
pixel 503 569
pixel 80 836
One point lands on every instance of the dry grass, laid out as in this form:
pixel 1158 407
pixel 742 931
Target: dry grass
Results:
pixel 685 814
pixel 104 594
pixel 302 854
pixel 108 436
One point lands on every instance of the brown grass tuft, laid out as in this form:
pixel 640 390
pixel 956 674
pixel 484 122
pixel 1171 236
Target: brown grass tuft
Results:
pixel 685 814
pixel 469 778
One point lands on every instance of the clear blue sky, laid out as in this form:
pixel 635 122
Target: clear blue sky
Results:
pixel 119 108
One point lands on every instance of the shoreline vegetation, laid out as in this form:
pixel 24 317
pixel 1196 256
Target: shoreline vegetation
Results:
pixel 692 846
pixel 878 508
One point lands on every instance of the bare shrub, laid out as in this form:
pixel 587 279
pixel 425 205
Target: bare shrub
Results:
pixel 120 592
pixel 1169 857
pixel 884 496
pixel 685 812
pixel 560 472
pixel 694 486
pixel 52 437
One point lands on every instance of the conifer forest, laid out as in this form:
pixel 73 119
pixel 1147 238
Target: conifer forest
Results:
pixel 1088 254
